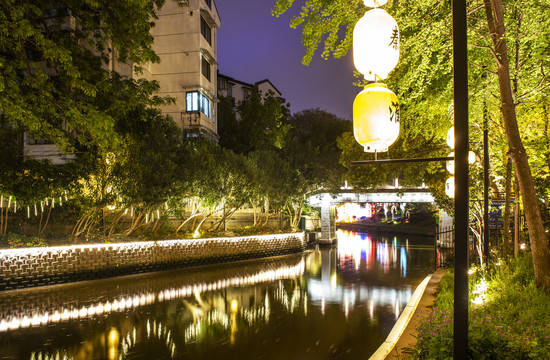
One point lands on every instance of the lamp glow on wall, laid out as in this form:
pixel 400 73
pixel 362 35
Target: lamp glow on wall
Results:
pixel 375 54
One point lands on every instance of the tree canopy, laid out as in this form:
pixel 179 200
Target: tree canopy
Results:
pixel 55 80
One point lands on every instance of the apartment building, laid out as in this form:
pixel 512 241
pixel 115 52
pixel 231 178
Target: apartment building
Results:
pixel 185 39
pixel 237 91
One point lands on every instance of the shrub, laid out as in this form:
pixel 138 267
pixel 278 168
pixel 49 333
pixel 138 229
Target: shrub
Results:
pixel 512 323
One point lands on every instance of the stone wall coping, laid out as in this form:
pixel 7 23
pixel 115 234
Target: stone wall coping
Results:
pixel 149 243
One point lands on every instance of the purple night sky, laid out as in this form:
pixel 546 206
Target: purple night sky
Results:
pixel 254 45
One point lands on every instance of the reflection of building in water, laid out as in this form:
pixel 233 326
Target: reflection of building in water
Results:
pixel 327 290
pixel 355 249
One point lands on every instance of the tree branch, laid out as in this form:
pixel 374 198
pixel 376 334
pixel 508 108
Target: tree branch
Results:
pixel 536 87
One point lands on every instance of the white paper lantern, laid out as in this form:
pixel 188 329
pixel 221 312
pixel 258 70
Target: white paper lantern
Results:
pixel 374 3
pixel 451 137
pixel 450 187
pixel 376 44
pixel 450 165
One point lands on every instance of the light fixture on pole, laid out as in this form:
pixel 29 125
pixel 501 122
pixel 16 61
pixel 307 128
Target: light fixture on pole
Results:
pixel 450 187
pixel 451 137
pixel 450 165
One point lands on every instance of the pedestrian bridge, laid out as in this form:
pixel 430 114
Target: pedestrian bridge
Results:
pixel 327 202
pixel 374 196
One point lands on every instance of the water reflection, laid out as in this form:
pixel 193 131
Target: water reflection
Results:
pixel 337 302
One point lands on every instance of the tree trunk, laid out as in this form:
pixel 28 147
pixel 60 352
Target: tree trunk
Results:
pixel 516 218
pixel 507 239
pixel 537 236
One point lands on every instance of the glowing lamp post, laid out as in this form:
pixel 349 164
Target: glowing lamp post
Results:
pixel 376 118
pixel 376 44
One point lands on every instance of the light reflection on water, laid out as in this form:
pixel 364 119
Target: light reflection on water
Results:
pixel 337 302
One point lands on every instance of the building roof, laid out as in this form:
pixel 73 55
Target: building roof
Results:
pixel 270 83
pixel 233 80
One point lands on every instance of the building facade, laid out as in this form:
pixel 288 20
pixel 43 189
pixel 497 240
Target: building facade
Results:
pixel 185 39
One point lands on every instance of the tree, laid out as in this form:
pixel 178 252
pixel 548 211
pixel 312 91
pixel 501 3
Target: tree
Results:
pixel 54 81
pixel 313 153
pixel 539 242
pixel 423 79
pixel 272 181
pixel 260 122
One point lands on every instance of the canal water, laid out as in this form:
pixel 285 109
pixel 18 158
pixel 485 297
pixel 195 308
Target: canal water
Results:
pixel 336 302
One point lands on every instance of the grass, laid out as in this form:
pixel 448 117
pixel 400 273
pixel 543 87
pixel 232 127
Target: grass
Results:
pixel 509 316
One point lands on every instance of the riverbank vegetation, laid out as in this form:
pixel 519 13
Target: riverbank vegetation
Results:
pixel 156 185
pixel 509 315
pixel 129 170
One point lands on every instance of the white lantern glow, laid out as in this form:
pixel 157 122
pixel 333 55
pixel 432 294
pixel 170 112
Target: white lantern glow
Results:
pixel 450 187
pixel 451 164
pixel 376 44
pixel 376 118
pixel 374 3
pixel 451 137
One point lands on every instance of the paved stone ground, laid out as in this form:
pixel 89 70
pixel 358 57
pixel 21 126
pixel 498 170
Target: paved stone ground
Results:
pixel 408 338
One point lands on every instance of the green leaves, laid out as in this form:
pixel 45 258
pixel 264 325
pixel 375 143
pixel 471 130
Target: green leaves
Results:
pixel 53 61
pixel 330 22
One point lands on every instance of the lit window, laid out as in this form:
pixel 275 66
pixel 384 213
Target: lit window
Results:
pixel 196 101
pixel 192 101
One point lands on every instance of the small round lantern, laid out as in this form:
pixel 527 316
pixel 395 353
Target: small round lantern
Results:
pixel 450 187
pixel 374 3
pixel 451 137
pixel 451 163
pixel 376 44
pixel 376 118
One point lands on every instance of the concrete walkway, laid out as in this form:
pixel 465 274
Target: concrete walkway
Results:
pixel 408 339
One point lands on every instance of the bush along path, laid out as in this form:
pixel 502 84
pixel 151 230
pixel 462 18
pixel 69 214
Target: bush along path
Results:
pixel 509 316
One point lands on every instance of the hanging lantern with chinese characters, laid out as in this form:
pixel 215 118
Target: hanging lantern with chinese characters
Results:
pixel 376 118
pixel 375 44
pixel 450 187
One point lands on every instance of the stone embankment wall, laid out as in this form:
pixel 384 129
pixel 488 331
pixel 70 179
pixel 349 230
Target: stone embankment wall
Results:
pixel 30 267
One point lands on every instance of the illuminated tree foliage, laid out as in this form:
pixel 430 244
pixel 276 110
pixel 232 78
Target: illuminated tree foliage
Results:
pixel 508 55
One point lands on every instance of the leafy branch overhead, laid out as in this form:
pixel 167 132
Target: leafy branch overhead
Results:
pixel 328 22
